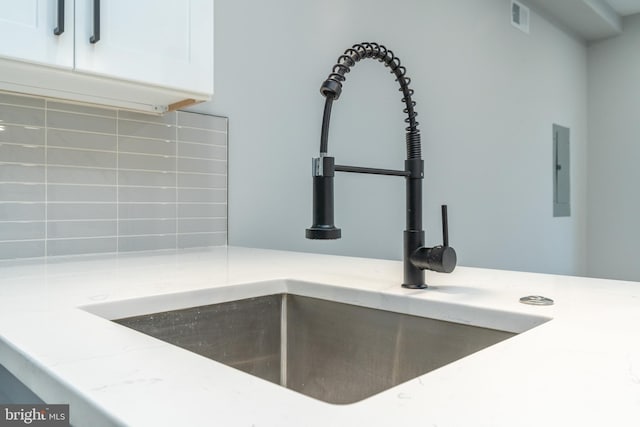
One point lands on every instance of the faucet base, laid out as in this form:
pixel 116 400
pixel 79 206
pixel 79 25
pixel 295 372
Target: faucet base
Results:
pixel 323 233
pixel 410 286
pixel 413 276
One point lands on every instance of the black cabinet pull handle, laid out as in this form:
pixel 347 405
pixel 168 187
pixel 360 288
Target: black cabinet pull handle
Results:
pixel 95 38
pixel 60 28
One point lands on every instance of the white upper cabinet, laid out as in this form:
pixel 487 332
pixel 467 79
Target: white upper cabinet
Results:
pixel 145 55
pixel 162 42
pixel 27 31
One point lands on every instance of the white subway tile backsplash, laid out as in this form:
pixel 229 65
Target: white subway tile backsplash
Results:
pixel 203 151
pixel 145 243
pixel 27 211
pixel 81 140
pixel 82 109
pixel 78 179
pixel 147 178
pixel 202 180
pixel 18 134
pixel 81 193
pixel 23 231
pixel 18 153
pixel 22 249
pixel 82 122
pixel 85 175
pixel 93 245
pixel 84 158
pixel 75 229
pixel 146 146
pixel 27 101
pixel 202 121
pixel 57 211
pixel 201 239
pixel 20 192
pixel 202 136
pixel 208 225
pixel 16 115
pixel 147 194
pixel 21 173
pixel 194 195
pixel 147 130
pixel 202 166
pixel 168 119
pixel 146 162
pixel 146 210
pixel 136 227
pixel 202 210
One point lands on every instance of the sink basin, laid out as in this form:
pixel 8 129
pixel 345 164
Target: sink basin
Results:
pixel 335 351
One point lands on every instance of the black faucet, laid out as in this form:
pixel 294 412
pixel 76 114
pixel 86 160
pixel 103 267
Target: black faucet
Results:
pixel 417 258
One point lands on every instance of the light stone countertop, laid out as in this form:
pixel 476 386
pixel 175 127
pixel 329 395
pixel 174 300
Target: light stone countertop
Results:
pixel 581 368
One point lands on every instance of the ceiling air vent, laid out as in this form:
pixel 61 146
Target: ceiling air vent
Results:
pixel 520 16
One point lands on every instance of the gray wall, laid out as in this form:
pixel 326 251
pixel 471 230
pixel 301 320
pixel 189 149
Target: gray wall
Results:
pixel 76 179
pixel 487 96
pixel 614 155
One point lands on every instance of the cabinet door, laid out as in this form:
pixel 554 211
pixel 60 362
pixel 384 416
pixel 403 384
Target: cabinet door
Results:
pixel 160 42
pixel 26 31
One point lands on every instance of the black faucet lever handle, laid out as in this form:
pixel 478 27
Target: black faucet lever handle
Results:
pixel 445 226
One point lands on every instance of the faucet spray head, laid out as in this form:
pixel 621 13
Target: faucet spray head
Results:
pixel 323 227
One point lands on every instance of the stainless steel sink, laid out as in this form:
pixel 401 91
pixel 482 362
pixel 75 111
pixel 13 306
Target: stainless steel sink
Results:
pixel 336 352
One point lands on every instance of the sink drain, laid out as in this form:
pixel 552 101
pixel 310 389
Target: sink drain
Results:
pixel 536 300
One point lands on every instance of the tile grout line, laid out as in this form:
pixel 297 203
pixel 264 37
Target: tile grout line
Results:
pixel 118 181
pixel 176 182
pixel 59 165
pixel 226 196
pixel 46 182
pixel 134 153
pixel 108 236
